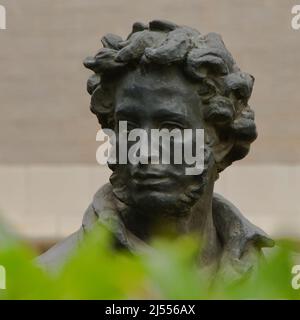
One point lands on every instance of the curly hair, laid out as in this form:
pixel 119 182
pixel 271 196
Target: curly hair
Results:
pixel 224 88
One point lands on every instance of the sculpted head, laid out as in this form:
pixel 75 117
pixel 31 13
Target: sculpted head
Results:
pixel 173 77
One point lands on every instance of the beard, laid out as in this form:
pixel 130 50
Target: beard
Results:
pixel 173 199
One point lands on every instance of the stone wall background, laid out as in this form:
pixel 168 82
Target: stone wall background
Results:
pixel 48 172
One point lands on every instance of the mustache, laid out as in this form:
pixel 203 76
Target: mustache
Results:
pixel 152 172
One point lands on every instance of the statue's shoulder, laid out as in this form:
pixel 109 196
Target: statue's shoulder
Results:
pixel 53 259
pixel 242 241
pixel 234 229
pixel 57 255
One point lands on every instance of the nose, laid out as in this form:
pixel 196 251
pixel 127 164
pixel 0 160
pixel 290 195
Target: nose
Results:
pixel 146 153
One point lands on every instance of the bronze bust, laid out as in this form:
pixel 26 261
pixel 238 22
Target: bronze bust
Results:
pixel 169 76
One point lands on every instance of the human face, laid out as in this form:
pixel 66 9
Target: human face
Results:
pixel 159 99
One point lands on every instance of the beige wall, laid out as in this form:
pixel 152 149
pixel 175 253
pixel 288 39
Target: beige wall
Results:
pixel 47 134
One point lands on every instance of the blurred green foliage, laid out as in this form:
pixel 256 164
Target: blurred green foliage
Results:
pixel 167 272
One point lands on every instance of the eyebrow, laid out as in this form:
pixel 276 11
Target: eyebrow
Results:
pixel 165 114
pixel 127 110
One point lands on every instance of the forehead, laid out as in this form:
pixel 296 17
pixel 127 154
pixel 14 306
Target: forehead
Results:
pixel 165 88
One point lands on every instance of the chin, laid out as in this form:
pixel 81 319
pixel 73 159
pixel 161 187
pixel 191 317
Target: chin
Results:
pixel 152 202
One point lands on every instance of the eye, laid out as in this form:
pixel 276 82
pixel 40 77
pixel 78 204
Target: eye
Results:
pixel 129 125
pixel 170 125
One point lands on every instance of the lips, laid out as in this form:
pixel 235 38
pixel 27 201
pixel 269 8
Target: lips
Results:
pixel 150 178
